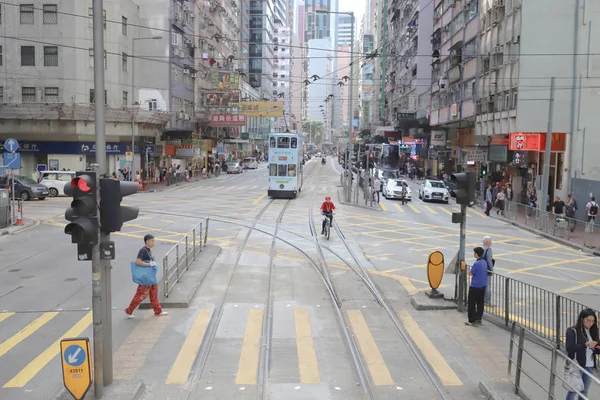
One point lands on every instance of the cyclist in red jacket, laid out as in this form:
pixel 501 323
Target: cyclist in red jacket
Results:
pixel 327 208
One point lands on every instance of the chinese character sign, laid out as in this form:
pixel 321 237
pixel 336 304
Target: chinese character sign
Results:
pixel 225 120
pixel 225 80
pixel 262 108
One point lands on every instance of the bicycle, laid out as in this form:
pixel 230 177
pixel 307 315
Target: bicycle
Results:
pixel 327 221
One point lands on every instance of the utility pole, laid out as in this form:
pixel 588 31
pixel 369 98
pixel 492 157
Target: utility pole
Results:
pixel 462 277
pixel 547 155
pixel 351 88
pixel 98 273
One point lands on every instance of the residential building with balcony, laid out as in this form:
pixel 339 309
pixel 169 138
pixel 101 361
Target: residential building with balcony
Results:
pixel 453 78
pixel 407 94
pixel 262 40
pixel 365 85
pixel 282 68
pixel 522 46
pixel 47 94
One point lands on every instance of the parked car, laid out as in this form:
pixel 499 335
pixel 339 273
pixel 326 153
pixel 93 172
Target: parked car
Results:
pixel 393 189
pixel 434 190
pixel 250 163
pixel 56 181
pixel 25 188
pixel 234 168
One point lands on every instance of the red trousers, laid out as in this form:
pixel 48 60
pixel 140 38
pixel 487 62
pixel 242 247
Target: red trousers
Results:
pixel 141 294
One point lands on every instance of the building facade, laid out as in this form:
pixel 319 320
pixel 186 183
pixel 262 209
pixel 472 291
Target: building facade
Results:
pixel 319 66
pixel 261 46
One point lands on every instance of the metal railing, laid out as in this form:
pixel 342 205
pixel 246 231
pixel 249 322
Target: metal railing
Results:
pixel 545 313
pixel 577 231
pixel 178 259
pixel 537 370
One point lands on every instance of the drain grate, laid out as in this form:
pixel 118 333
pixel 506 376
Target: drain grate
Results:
pixel 14 270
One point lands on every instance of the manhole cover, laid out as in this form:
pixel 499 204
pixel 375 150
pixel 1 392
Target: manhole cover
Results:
pixel 14 270
pixel 70 279
pixel 27 277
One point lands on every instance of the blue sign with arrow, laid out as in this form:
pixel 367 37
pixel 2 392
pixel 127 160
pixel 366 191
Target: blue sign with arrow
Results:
pixel 12 145
pixel 12 160
pixel 74 355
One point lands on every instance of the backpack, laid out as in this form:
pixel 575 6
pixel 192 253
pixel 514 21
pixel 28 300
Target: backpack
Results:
pixel 594 208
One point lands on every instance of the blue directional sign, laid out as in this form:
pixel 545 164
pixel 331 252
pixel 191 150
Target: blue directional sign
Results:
pixel 11 145
pixel 74 355
pixel 12 160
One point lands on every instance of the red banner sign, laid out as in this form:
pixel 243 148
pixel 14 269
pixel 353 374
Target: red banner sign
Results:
pixel 536 142
pixel 228 120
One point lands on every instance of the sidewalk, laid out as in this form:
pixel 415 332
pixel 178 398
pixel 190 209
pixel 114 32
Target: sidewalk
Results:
pixel 14 229
pixel 159 187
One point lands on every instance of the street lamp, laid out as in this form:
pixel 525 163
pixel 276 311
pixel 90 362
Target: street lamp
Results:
pixel 351 91
pixel 133 99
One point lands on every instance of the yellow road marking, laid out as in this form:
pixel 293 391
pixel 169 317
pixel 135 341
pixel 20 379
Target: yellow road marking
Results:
pixel 516 271
pixel 407 285
pixel 431 210
pixel 414 209
pixel 26 332
pixel 259 199
pixel 383 206
pixel 242 187
pixel 581 286
pixel 307 358
pixel 254 187
pixel 35 366
pixel 379 371
pixel 400 209
pixel 185 360
pixel 447 376
pixel 6 315
pixel 248 365
pixel 446 211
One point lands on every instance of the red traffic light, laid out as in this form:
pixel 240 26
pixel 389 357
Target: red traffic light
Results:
pixel 371 155
pixel 83 183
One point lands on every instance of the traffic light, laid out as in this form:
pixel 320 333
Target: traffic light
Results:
pixel 112 213
pixel 484 169
pixel 371 160
pixel 83 212
pixel 465 187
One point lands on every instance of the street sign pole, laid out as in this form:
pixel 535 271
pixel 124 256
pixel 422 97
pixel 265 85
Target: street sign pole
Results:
pixel 462 277
pixel 101 294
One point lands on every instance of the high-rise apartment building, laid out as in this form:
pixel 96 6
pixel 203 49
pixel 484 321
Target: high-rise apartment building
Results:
pixel 319 66
pixel 282 67
pixel 261 45
pixel 365 84
pixel 318 26
pixel 344 30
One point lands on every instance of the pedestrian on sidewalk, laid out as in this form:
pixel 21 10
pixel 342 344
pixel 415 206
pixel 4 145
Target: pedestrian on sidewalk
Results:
pixel 570 212
pixel 479 281
pixel 488 200
pixel 488 256
pixel 404 193
pixel 500 199
pixel 145 259
pixel 376 188
pixel 582 345
pixel 592 210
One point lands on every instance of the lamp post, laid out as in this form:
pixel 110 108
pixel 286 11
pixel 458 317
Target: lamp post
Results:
pixel 134 100
pixel 351 91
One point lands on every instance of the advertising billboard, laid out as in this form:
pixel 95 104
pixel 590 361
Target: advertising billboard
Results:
pixel 224 80
pixel 262 108
pixel 229 98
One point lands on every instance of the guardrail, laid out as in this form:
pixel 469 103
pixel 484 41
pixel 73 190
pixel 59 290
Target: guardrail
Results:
pixel 177 260
pixel 531 376
pixel 574 230
pixel 545 313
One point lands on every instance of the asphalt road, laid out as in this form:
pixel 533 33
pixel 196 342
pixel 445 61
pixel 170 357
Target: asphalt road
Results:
pixel 45 292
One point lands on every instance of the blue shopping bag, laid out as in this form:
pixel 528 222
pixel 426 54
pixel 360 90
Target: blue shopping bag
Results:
pixel 145 276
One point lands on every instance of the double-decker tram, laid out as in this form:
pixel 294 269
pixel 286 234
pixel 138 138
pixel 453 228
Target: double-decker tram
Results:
pixel 286 156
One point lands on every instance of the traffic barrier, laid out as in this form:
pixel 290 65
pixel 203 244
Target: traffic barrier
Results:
pixel 19 216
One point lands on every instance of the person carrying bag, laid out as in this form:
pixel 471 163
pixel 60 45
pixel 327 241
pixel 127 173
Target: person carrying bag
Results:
pixel 143 272
pixel 582 348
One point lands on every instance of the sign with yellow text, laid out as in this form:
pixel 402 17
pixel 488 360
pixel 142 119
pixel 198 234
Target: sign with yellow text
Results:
pixel 435 269
pixel 262 108
pixel 76 366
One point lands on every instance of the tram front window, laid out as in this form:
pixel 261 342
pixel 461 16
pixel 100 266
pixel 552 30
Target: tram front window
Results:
pixel 292 170
pixel 272 169
pixel 282 170
pixel 283 142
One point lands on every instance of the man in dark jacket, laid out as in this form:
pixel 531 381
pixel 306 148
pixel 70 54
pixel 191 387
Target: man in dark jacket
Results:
pixel 479 281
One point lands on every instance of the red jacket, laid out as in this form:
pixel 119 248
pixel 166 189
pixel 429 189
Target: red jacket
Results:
pixel 327 207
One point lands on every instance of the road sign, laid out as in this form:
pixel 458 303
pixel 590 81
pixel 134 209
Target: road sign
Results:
pixel 12 160
pixel 12 145
pixel 129 156
pixel 150 149
pixel 76 366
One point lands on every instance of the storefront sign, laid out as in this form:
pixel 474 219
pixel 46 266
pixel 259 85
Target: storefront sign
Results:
pixel 225 80
pixel 500 141
pixel 228 120
pixel 411 140
pixel 475 155
pixel 403 115
pixel 185 150
pixel 454 110
pixel 230 98
pixel 536 141
pixel 438 138
pixel 262 108
pixel 73 147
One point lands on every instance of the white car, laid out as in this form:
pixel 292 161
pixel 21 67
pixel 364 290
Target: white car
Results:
pixel 250 163
pixel 434 190
pixel 393 189
pixel 55 181
pixel 234 168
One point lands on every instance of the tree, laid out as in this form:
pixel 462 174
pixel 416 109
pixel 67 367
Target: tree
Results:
pixel 314 129
pixel 364 134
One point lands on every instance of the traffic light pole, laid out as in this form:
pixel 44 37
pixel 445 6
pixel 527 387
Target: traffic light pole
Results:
pixel 462 277
pixel 101 286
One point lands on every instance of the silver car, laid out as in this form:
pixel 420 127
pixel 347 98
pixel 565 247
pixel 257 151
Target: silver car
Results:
pixel 434 190
pixel 234 168
pixel 393 189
